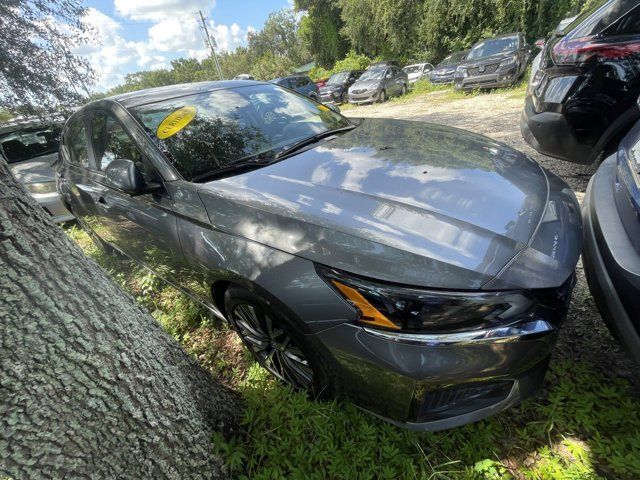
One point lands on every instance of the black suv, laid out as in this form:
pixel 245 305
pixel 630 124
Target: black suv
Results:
pixel 582 94
pixel 301 84
pixel 493 62
pixel 335 90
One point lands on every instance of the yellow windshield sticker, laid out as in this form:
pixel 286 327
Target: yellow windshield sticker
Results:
pixel 323 108
pixel 176 121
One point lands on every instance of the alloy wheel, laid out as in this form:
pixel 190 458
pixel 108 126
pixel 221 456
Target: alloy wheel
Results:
pixel 273 347
pixel 383 96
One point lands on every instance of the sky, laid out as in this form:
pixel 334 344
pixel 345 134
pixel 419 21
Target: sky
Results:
pixel 134 35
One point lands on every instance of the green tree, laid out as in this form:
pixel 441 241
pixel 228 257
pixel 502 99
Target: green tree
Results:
pixel 320 30
pixel 38 70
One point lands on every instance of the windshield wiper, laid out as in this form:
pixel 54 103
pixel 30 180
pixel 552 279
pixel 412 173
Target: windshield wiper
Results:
pixel 310 140
pixel 247 163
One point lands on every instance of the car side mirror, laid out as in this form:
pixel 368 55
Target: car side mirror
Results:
pixel 388 75
pixel 124 175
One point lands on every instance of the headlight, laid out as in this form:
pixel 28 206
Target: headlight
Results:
pixel 461 72
pixel 508 61
pixel 41 188
pixel 394 307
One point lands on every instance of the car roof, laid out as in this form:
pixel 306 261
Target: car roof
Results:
pixel 22 122
pixel 150 95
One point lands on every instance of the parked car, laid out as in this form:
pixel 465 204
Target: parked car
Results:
pixel 383 63
pixel 582 94
pixel 30 146
pixel 446 69
pixel 378 84
pixel 418 71
pixel 243 76
pixel 420 270
pixel 321 83
pixel 336 88
pixel 301 84
pixel 611 258
pixel 494 62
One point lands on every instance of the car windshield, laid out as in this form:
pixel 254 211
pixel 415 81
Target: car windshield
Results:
pixel 29 143
pixel 413 69
pixel 207 132
pixel 373 74
pixel 453 59
pixel 493 46
pixel 338 78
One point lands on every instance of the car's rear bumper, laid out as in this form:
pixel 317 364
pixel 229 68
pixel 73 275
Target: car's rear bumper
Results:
pixel 434 382
pixel 550 133
pixel 52 204
pixel 611 263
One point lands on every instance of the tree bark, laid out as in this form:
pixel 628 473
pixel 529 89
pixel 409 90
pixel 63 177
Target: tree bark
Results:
pixel 90 384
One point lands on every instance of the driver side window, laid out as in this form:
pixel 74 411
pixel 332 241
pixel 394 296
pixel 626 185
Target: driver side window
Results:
pixel 111 142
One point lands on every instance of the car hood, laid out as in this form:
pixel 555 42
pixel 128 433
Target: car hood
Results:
pixel 406 202
pixel 38 170
pixel 446 69
pixel 487 60
pixel 365 84
pixel 331 87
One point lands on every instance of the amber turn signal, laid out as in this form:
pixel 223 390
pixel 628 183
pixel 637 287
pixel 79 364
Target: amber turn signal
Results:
pixel 368 313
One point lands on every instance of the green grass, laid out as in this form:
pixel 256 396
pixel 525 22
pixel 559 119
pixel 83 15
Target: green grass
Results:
pixel 584 425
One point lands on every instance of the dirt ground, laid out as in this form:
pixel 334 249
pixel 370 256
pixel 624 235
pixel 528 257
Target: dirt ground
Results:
pixel 584 336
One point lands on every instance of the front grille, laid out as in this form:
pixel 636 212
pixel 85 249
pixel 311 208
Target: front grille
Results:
pixel 359 90
pixel 459 399
pixel 488 69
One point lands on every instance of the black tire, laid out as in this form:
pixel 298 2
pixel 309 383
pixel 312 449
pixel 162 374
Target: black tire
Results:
pixel 276 343
pixel 404 90
pixel 382 96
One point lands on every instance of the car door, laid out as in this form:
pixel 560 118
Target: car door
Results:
pixel 142 226
pixel 398 79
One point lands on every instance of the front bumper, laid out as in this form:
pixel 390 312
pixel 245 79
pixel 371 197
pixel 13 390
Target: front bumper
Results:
pixel 52 204
pixel 501 78
pixel 441 79
pixel 330 98
pixel 611 263
pixel 549 133
pixel 366 97
pixel 433 382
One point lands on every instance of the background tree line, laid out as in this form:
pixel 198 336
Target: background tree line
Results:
pixel 354 31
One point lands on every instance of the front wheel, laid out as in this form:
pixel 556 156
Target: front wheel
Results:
pixel 404 90
pixel 382 97
pixel 274 342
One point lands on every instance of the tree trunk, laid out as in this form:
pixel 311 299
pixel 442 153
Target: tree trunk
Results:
pixel 90 384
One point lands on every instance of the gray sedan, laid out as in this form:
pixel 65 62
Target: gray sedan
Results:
pixel 421 271
pixel 30 147
pixel 379 83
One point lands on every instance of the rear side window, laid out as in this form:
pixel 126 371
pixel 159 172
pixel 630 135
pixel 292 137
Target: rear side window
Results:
pixel 110 142
pixel 597 19
pixel 76 140
pixel 627 25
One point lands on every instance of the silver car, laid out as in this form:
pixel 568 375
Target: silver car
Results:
pixel 30 147
pixel 377 84
pixel 419 270
pixel 418 71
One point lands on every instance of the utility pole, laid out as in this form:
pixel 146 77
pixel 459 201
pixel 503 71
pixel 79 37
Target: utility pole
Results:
pixel 209 40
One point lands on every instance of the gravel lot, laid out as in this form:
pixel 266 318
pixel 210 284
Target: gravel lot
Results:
pixel 584 336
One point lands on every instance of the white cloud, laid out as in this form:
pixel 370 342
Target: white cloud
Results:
pixel 175 32
pixel 157 10
pixel 112 56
